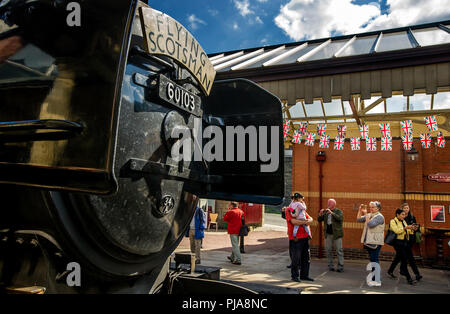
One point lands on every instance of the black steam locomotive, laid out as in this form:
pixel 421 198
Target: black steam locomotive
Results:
pixel 91 93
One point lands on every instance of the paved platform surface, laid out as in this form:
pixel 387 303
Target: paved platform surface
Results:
pixel 267 256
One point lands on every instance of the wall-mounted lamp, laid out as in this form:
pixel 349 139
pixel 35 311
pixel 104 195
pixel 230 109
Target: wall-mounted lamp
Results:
pixel 321 156
pixel 413 154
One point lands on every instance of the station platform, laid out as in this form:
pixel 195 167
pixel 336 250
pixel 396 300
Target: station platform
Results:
pixel 264 268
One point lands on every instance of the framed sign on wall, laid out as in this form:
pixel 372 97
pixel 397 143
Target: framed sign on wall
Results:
pixel 437 213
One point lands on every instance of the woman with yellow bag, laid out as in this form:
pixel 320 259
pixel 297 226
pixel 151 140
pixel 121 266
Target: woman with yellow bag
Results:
pixel 415 238
pixel 399 226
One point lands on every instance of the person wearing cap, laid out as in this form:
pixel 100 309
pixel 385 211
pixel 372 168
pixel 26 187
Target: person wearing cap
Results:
pixel 333 232
pixel 299 244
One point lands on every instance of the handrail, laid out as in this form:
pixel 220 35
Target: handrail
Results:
pixel 24 131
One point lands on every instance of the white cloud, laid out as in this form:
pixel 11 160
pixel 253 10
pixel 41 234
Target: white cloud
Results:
pixel 235 26
pixel 243 7
pixel 410 12
pixel 256 20
pixel 213 12
pixel 195 21
pixel 313 19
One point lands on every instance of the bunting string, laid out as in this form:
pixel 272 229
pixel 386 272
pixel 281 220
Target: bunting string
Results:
pixel 386 142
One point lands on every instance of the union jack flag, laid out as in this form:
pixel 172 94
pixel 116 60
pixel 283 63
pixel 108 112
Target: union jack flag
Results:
pixel 407 141
pixel 342 130
pixel 286 134
pixel 440 134
pixel 286 128
pixel 355 143
pixel 303 126
pixel 364 130
pixel 339 143
pixel 386 143
pixel 431 123
pixel 385 129
pixel 371 144
pixel 321 128
pixel 425 138
pixel 407 127
pixel 324 141
pixel 309 141
pixel 440 142
pixel 297 138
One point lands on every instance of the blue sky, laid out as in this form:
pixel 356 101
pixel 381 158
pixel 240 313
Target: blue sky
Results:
pixel 225 25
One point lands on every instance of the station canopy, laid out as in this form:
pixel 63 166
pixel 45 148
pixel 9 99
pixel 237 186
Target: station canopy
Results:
pixel 384 76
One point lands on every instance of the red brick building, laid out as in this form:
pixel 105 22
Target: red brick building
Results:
pixel 377 77
pixel 358 177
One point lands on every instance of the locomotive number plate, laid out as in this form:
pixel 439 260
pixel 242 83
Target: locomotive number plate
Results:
pixel 178 96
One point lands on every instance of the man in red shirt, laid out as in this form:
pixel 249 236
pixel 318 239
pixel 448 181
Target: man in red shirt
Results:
pixel 299 247
pixel 234 217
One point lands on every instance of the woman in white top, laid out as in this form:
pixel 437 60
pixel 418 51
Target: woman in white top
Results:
pixel 373 233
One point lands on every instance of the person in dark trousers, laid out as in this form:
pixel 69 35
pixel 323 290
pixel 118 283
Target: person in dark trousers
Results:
pixel 333 233
pixel 196 233
pixel 399 226
pixel 234 217
pixel 411 221
pixel 299 245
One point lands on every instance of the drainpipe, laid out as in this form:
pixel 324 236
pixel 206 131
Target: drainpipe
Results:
pixel 321 157
pixel 403 170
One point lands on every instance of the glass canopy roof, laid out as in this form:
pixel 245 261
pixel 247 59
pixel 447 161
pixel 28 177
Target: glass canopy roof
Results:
pixel 336 47
pixel 340 111
pixel 357 110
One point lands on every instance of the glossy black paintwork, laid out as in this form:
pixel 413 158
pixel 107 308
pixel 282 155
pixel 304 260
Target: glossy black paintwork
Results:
pixel 65 73
pixel 116 230
pixel 112 236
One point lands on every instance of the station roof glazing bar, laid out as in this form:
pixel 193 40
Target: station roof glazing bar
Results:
pixel 351 45
pixel 385 75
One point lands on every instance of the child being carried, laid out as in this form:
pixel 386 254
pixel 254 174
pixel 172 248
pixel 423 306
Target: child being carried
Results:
pixel 298 211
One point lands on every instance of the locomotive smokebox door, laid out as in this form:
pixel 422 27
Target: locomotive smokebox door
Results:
pixel 250 162
pixel 235 144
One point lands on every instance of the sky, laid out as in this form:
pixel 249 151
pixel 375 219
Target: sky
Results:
pixel 226 25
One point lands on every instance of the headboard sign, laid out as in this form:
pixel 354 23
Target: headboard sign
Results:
pixel 165 36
